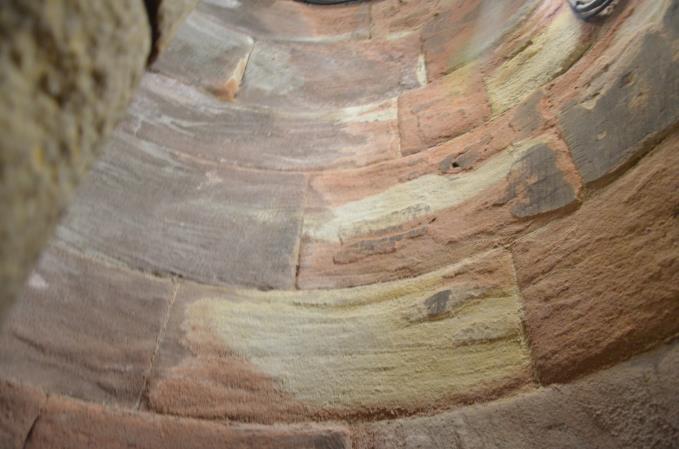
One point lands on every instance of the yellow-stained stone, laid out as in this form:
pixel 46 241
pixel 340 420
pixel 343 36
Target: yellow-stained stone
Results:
pixel 409 200
pixel 545 57
pixel 403 344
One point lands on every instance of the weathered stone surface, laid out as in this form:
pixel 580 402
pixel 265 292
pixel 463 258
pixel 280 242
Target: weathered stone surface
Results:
pixel 67 424
pixel 615 119
pixel 84 329
pixel 548 53
pixel 626 407
pixel 442 110
pixel 603 283
pixel 68 70
pixel 311 76
pixel 206 54
pixel 467 28
pixel 206 222
pixel 284 20
pixel 165 16
pixel 475 202
pixel 19 408
pixel 185 121
pixel 636 402
pixel 395 18
pixel 537 184
pixel 449 336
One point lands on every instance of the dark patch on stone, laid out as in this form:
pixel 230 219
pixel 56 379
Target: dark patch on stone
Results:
pixel 537 185
pixel 527 117
pixel 385 245
pixel 642 104
pixel 334 440
pixel 437 303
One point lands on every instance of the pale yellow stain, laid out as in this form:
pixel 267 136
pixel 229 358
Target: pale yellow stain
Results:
pixel 377 346
pixel 409 200
pixel 546 56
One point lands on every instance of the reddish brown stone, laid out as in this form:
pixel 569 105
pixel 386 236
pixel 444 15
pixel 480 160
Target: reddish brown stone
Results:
pixel 207 55
pixel 230 387
pixel 602 284
pixel 540 182
pixel 84 329
pixel 442 110
pixel 467 28
pixel 19 408
pixel 67 424
pixel 308 76
pixel 292 21
pixel 392 18
pixel 159 214
pixel 189 123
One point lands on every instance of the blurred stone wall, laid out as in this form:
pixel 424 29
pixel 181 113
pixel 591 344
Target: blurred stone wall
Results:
pixel 69 70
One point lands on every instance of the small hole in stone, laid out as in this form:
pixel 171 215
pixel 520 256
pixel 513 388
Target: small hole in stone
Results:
pixel 456 165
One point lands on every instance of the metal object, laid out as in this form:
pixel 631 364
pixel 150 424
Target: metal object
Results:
pixel 589 8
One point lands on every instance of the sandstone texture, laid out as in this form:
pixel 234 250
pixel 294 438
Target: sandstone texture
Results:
pixel 187 217
pixel 84 329
pixel 20 407
pixel 69 424
pixel 587 301
pixel 451 335
pixel 395 224
pixel 629 406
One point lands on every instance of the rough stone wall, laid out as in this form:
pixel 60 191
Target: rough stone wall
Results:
pixel 69 71
pixel 391 224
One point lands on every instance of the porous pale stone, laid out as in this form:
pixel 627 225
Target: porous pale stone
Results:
pixel 69 68
pixel 603 283
pixel 85 330
pixel 546 55
pixel 444 337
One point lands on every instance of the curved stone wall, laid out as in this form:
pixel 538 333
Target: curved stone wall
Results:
pixel 390 224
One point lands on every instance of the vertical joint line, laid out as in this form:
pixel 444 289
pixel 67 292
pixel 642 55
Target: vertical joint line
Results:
pixel 147 378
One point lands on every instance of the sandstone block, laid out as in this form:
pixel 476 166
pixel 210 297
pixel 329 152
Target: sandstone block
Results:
pixel 616 120
pixel 151 211
pixel 602 284
pixel 449 336
pixel 84 330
